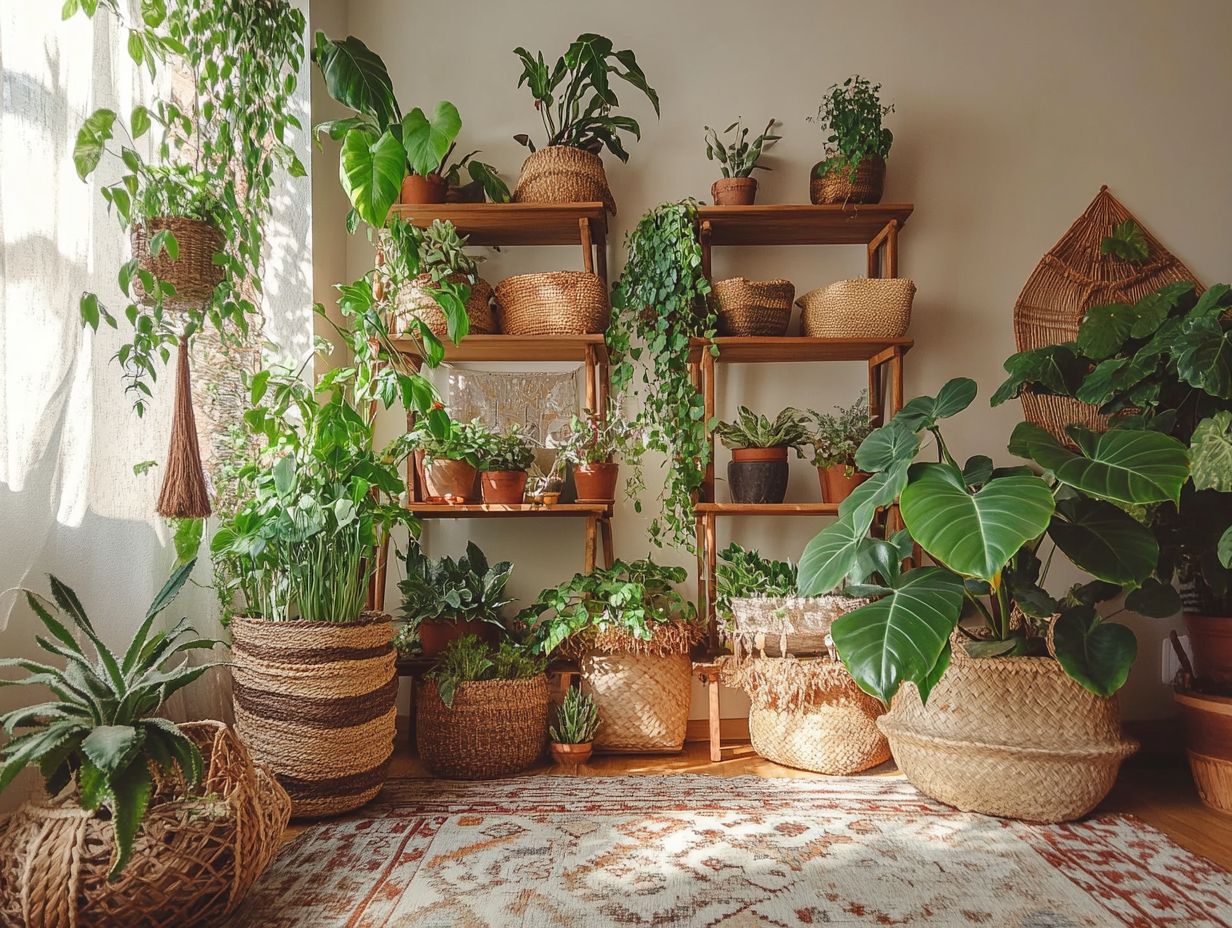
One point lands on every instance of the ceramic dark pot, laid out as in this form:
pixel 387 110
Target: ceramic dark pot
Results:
pixel 757 475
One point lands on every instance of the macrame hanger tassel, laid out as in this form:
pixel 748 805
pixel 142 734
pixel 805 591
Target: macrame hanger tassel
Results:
pixel 184 494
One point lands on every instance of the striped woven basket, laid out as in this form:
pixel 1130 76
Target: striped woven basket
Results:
pixel 414 301
pixel 753 307
pixel 858 308
pixel 193 273
pixel 315 702
pixel 495 728
pixel 563 174
pixel 839 185
pixel 553 303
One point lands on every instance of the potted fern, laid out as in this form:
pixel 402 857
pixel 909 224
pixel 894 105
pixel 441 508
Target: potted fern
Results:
pixel 835 437
pixel 573 731
pixel 757 472
pixel 738 158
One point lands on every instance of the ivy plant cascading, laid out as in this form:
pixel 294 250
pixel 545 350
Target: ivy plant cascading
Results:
pixel 984 527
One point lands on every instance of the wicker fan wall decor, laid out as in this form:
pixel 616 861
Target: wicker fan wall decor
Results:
pixel 1073 276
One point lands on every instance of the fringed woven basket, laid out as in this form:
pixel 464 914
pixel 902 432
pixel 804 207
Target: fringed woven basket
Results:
pixel 774 626
pixel 838 185
pixel 494 728
pixel 563 174
pixel 1008 736
pixel 315 701
pixel 753 307
pixel 553 303
pixel 809 714
pixel 194 860
pixel 1072 277
pixel 414 301
pixel 858 308
pixel 193 273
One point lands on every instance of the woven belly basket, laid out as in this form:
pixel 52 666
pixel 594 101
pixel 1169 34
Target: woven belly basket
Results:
pixel 494 728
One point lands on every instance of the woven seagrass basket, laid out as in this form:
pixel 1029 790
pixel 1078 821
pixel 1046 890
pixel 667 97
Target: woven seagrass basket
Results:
pixel 858 308
pixel 1071 278
pixel 553 303
pixel 193 273
pixel 864 185
pixel 495 728
pixel 194 860
pixel 414 301
pixel 753 307
pixel 563 174
pixel 774 626
pixel 315 702
pixel 1008 736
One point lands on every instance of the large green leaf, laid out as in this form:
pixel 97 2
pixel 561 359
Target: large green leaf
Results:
pixel 1096 654
pixel 974 534
pixel 1104 541
pixel 1052 369
pixel 886 447
pixel 1106 328
pixel 1204 360
pixel 1121 465
pixel 1154 598
pixel 371 171
pixel 877 492
pixel 428 140
pixel 92 139
pixel 356 76
pixel 829 557
pixel 111 748
pixel 924 411
pixel 1211 453
pixel 902 636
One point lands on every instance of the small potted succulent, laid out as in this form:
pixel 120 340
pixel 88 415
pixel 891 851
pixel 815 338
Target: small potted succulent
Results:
pixel 592 447
pixel 835 438
pixel 503 461
pixel 738 158
pixel 573 732
pixel 449 462
pixel 856 144
pixel 757 472
pixel 444 599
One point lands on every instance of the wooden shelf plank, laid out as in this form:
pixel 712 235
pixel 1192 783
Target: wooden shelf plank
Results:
pixel 516 348
pixel 497 511
pixel 767 509
pixel 513 223
pixel 753 349
pixel 801 223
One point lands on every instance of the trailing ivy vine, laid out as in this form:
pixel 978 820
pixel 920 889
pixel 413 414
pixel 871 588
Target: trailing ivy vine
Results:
pixel 659 303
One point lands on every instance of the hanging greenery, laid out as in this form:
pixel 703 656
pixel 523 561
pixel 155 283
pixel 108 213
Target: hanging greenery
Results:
pixel 659 303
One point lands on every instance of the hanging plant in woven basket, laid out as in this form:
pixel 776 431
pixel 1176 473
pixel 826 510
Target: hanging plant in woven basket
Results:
pixel 1105 257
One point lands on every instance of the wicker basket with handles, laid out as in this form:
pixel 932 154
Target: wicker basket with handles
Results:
pixel 753 307
pixel 858 308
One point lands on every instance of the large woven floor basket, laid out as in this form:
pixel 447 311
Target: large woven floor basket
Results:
pixel 863 185
pixel 858 308
pixel 1014 737
pixel 1071 278
pixel 494 728
pixel 414 301
pixel 193 272
pixel 774 626
pixel 553 303
pixel 563 174
pixel 753 307
pixel 193 860
pixel 642 699
pixel 315 702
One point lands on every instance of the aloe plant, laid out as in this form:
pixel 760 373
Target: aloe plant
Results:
pixel 577 719
pixel 100 732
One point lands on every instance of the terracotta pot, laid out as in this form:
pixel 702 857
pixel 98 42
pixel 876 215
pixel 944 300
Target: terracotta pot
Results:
pixel 450 481
pixel 419 189
pixel 837 484
pixel 863 185
pixel 757 475
pixel 503 487
pixel 596 483
pixel 571 755
pixel 1210 643
pixel 436 634
pixel 1208 742
pixel 734 191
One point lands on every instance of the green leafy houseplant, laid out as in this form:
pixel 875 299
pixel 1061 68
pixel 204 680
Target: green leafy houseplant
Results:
pixel 470 659
pixel 437 255
pixel 788 429
pixel 459 441
pixel 575 98
pixel 100 733
pixel 850 117
pixel 983 527
pixel 740 156
pixel 505 451
pixel 742 573
pixel 595 439
pixel 577 719
pixel 450 589
pixel 659 303
pixel 836 436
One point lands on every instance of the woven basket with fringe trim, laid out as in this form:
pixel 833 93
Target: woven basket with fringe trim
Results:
pixel 563 174
pixel 838 185
pixel 774 626
pixel 809 714
pixel 315 701
pixel 858 308
pixel 193 274
pixel 414 301
pixel 194 860
pixel 1008 736
pixel 1072 277
pixel 553 303
pixel 753 307
pixel 495 728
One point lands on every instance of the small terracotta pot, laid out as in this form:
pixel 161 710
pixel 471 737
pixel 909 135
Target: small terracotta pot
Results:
pixel 427 188
pixel 571 755
pixel 596 483
pixel 757 475
pixel 449 481
pixel 734 191
pixel 436 634
pixel 837 483
pixel 1210 643
pixel 505 487
pixel 759 454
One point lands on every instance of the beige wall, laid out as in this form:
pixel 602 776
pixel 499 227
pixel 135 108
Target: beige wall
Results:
pixel 1009 117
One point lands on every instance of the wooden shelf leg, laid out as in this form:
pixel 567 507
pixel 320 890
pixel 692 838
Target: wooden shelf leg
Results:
pixel 592 384
pixel 896 375
pixel 588 261
pixel 891 250
pixel 609 549
pixel 709 676
pixel 592 533
pixel 876 393
pixel 703 237
pixel 711 565
pixel 601 257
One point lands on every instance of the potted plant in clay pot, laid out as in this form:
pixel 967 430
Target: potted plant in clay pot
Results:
pixel 856 144
pixel 738 158
pixel 448 459
pixel 757 472
pixel 573 731
pixel 592 447
pixel 503 461
pixel 446 598
pixel 835 438
pixel 575 101
pixel 140 818
pixel 1014 716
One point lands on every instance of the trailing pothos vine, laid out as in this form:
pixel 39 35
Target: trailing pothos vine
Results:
pixel 661 301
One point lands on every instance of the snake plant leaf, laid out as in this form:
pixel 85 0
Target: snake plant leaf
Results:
pixel 1096 654
pixel 1204 360
pixel 1154 598
pixel 371 172
pixel 886 447
pixel 902 636
pixel 1133 467
pixel 1211 453
pixel 1052 369
pixel 1104 540
pixel 356 77
pixel 974 534
pixel 831 555
pixel 427 141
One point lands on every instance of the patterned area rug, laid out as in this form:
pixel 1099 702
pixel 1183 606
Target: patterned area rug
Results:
pixel 682 850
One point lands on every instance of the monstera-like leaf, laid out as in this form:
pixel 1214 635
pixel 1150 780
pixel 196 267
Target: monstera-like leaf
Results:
pixel 831 555
pixel 371 170
pixel 356 77
pixel 886 447
pixel 1094 653
pixel 1211 453
pixel 427 141
pixel 1053 369
pixel 1104 541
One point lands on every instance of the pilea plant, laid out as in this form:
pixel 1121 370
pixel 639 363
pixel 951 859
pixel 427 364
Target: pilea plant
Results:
pixel 850 117
pixel 740 157
pixel 659 303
